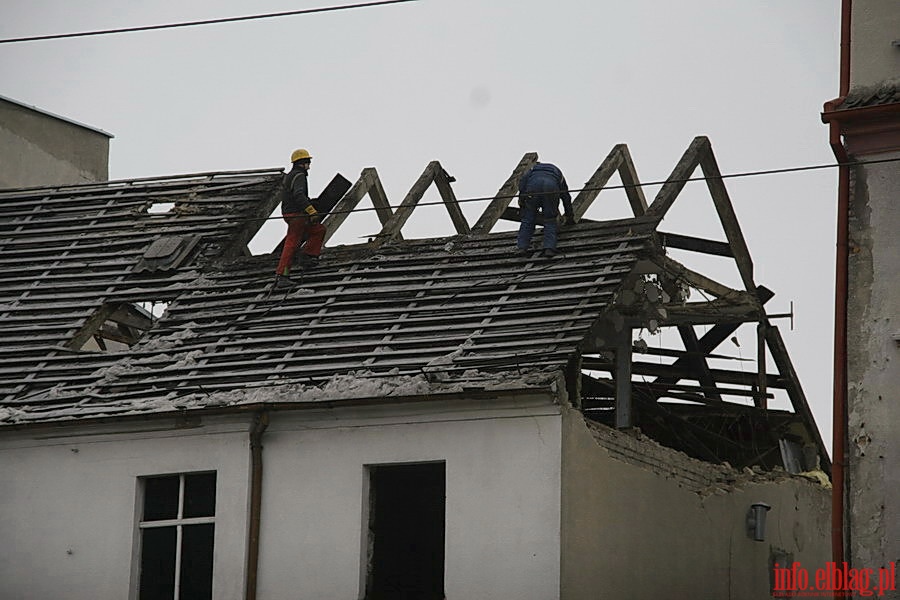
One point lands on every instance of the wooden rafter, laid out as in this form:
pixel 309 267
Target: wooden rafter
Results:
pixel 713 338
pixel 795 392
pixel 433 173
pixel 504 196
pixel 368 183
pixel 619 159
pixel 697 360
pixel 694 279
pixel 700 153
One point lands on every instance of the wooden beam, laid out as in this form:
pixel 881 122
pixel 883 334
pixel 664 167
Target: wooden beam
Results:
pixel 703 313
pixel 694 244
pixel 726 215
pixel 504 196
pixel 129 314
pixel 624 408
pixel 251 223
pixel 694 279
pixel 632 183
pixel 379 198
pixel 760 401
pixel 442 181
pixel 619 159
pixel 92 326
pixel 696 359
pixel 368 183
pixel 433 173
pixel 708 393
pixel 716 335
pixel 677 180
pixel 700 153
pixel 795 392
pixel 650 369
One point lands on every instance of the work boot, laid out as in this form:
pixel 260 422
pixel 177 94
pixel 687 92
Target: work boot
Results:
pixel 523 253
pixel 308 261
pixel 550 253
pixel 283 282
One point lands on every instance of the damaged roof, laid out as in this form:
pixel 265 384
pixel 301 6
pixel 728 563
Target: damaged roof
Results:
pixel 85 272
pixel 68 253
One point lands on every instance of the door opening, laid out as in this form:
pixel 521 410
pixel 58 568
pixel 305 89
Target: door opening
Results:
pixel 406 532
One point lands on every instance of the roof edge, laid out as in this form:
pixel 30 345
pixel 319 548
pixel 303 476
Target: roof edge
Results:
pixel 186 415
pixel 55 116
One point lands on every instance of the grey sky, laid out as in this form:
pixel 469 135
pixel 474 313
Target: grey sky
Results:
pixel 475 85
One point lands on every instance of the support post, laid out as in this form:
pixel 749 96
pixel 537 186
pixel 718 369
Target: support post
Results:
pixel 761 401
pixel 623 381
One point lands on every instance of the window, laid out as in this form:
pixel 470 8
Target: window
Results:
pixel 177 532
pixel 406 532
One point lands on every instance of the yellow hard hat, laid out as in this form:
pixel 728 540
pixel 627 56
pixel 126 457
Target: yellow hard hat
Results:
pixel 300 155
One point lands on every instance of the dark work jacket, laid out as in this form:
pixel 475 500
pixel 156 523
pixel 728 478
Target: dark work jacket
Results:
pixel 295 193
pixel 536 178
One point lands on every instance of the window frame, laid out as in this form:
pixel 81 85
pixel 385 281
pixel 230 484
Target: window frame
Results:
pixel 179 522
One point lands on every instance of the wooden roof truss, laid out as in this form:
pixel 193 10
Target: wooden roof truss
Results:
pixel 635 391
pixel 389 306
pixel 631 395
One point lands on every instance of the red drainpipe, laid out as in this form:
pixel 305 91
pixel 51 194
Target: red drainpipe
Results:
pixel 839 420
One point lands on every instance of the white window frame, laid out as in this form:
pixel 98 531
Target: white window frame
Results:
pixel 179 522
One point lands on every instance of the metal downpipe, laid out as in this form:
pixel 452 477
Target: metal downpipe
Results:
pixel 839 408
pixel 260 423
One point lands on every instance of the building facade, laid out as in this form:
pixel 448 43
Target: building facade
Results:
pixel 38 148
pixel 531 503
pixel 865 128
pixel 418 418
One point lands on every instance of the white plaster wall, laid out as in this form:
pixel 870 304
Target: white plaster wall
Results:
pixel 67 507
pixel 636 526
pixel 502 510
pixel 874 366
pixel 874 25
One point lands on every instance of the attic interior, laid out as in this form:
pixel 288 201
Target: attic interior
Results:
pixel 673 393
pixel 693 395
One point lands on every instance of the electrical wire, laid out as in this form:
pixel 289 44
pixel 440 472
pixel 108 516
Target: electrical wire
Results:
pixel 289 13
pixel 636 185
pixel 584 189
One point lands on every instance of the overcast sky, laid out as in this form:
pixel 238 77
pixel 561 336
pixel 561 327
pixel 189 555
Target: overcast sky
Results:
pixel 475 85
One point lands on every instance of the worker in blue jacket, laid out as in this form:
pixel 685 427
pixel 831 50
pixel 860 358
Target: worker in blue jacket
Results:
pixel 542 187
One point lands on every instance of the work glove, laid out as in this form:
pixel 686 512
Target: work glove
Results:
pixel 314 216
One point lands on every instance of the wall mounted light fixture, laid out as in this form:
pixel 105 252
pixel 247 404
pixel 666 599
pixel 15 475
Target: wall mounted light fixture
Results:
pixel 756 521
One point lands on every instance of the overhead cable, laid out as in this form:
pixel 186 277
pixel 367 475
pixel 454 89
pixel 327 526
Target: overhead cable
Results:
pixel 645 184
pixel 57 36
pixel 511 196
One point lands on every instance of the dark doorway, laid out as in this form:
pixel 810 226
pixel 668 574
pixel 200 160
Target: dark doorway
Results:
pixel 406 532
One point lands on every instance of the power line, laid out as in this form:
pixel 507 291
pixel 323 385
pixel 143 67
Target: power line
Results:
pixel 306 11
pixel 641 185
pixel 584 189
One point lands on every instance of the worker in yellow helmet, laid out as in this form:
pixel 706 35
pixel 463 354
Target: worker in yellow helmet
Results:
pixel 302 219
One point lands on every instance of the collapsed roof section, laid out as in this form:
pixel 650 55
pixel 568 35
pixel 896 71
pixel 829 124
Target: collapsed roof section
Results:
pixel 454 316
